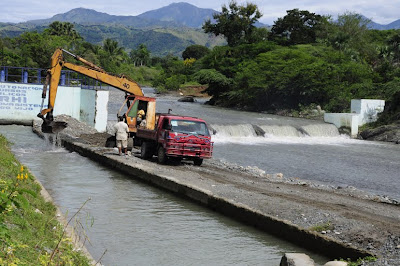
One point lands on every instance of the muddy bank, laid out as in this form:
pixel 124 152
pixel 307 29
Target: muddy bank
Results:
pixel 337 221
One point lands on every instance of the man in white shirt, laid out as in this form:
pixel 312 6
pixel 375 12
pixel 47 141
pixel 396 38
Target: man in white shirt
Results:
pixel 121 130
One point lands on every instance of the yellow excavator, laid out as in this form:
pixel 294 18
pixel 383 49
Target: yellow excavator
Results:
pixel 134 94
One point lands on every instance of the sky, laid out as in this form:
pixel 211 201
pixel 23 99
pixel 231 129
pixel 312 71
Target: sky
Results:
pixel 380 11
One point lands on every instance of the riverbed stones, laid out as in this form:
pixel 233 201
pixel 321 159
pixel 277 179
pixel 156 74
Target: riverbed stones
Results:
pixel 296 259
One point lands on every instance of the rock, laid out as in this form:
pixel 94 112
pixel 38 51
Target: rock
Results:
pixel 259 131
pixel 336 263
pixel 187 99
pixel 296 259
pixel 389 133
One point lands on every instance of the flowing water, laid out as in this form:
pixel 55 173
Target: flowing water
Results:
pixel 136 223
pixel 310 150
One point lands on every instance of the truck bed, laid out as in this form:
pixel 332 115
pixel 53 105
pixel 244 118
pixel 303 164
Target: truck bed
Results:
pixel 146 134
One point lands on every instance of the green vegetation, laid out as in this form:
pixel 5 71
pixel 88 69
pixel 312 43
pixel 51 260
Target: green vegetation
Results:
pixel 235 23
pixel 29 232
pixel 322 227
pixel 360 261
pixel 306 60
pixel 34 49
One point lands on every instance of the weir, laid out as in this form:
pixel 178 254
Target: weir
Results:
pixel 267 131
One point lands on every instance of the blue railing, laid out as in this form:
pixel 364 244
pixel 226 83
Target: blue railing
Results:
pixel 38 76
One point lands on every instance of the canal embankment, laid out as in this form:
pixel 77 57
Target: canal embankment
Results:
pixel 32 229
pixel 340 223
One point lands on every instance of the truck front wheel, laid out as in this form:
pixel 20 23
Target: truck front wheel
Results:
pixel 161 156
pixel 197 161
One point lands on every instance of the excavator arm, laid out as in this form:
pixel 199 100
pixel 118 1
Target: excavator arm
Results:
pixel 89 69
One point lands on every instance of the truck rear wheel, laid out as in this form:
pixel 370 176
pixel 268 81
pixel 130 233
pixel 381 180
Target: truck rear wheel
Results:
pixel 146 150
pixel 161 156
pixel 197 161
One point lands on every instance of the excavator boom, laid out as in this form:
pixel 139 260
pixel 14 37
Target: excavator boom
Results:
pixel 89 69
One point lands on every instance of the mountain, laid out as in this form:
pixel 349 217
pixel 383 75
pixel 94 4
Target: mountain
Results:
pixel 182 13
pixel 376 26
pixel 85 16
pixel 394 25
pixel 160 37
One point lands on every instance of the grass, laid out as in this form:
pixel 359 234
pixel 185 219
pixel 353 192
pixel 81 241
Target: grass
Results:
pixel 322 227
pixel 29 231
pixel 360 261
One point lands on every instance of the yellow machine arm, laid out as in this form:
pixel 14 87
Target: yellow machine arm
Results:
pixel 90 70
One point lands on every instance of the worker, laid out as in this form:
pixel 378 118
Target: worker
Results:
pixel 121 130
pixel 140 116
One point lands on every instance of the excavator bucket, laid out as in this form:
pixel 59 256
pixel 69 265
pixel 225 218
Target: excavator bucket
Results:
pixel 50 126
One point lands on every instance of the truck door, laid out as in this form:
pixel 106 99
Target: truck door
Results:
pixel 162 132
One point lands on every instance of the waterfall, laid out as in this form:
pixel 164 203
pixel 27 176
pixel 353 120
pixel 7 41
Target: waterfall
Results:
pixel 281 131
pixel 321 130
pixel 243 130
pixel 271 131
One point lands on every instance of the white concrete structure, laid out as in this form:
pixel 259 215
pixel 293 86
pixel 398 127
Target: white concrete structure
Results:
pixel 362 111
pixel 367 109
pixel 343 120
pixel 20 103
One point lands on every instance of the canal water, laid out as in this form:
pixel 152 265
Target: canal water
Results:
pixel 137 224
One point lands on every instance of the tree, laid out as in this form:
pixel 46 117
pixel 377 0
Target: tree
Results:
pixel 349 34
pixel 235 23
pixel 297 27
pixel 195 51
pixel 63 29
pixel 394 46
pixel 140 56
pixel 112 55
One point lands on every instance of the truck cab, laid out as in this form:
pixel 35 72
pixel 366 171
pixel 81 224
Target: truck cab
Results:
pixel 176 137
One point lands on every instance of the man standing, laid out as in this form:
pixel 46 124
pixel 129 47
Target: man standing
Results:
pixel 121 130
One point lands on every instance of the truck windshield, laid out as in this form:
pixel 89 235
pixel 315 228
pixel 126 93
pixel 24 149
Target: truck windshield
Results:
pixel 189 127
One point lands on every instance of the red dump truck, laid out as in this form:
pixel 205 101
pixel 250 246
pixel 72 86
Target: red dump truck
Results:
pixel 176 137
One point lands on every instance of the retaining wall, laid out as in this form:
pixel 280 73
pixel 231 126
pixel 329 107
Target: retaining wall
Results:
pixel 20 103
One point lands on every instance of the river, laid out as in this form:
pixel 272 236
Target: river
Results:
pixel 307 149
pixel 137 224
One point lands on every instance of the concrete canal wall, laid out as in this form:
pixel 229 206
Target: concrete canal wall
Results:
pixel 191 185
pixel 20 103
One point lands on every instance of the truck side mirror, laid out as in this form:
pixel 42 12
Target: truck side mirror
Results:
pixel 168 127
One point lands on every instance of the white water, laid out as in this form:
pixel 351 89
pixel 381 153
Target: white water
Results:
pixel 325 134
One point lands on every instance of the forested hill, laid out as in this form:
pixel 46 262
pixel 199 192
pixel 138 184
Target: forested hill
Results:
pixel 170 34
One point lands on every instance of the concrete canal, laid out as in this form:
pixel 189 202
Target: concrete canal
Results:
pixel 138 224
